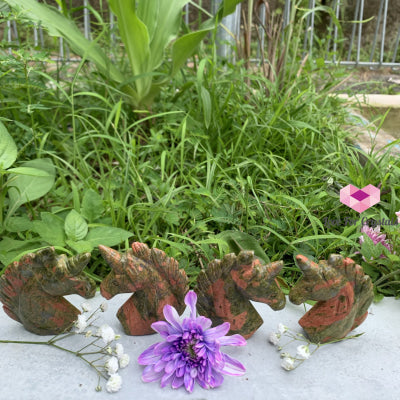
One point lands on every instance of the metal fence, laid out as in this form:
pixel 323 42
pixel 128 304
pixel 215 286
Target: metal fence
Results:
pixel 352 46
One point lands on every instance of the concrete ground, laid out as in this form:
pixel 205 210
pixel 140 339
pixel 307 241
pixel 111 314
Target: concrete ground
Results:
pixel 365 368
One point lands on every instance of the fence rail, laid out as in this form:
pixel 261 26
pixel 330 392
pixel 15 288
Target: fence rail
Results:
pixel 349 47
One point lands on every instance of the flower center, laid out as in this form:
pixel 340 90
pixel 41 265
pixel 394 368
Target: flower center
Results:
pixel 189 349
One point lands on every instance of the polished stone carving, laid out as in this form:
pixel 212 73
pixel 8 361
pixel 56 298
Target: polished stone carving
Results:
pixel 226 287
pixel 343 294
pixel 154 279
pixel 32 290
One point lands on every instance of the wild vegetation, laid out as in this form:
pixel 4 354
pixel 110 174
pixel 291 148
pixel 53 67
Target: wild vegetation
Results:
pixel 225 158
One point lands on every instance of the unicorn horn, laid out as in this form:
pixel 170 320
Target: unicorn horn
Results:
pixel 77 263
pixel 309 268
pixel 335 260
pixel 273 269
pixel 113 257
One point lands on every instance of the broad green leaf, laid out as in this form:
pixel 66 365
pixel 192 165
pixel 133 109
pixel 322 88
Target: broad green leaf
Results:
pixel 107 236
pixel 167 27
pixel 75 226
pixel 60 26
pixel 24 188
pixel 11 249
pixel 81 246
pixel 228 7
pixel 28 171
pixel 92 205
pixel 184 47
pixel 18 224
pixel 135 37
pixel 8 149
pixel 239 241
pixel 148 12
pixel 50 229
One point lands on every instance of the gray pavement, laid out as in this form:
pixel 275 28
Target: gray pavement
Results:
pixel 365 368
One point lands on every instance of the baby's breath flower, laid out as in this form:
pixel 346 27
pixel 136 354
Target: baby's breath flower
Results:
pixel 80 323
pixel 86 307
pixel 88 333
pixel 103 306
pixel 109 350
pixel 282 329
pixel 119 349
pixel 106 333
pixel 303 352
pixel 98 388
pixel 114 383
pixel 112 365
pixel 274 338
pixel 123 360
pixel 288 363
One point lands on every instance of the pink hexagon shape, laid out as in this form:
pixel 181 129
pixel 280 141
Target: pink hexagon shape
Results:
pixel 360 199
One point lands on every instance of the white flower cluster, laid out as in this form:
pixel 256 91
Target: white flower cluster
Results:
pixel 114 358
pixel 303 353
pixel 120 360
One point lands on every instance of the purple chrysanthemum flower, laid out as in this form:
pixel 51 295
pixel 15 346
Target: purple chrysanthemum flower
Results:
pixel 376 236
pixel 191 351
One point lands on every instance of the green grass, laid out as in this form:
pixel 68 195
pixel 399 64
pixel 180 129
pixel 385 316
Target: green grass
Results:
pixel 214 154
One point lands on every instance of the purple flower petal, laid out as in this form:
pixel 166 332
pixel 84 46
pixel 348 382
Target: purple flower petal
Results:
pixel 171 366
pixel 162 327
pixel 189 382
pixel 234 340
pixel 172 338
pixel 190 301
pixel 193 372
pixel 215 333
pixel 177 382
pixel 172 316
pixel 159 365
pixel 232 366
pixel 203 322
pixel 216 380
pixel 167 378
pixel 202 383
pixel 148 357
pixel 149 375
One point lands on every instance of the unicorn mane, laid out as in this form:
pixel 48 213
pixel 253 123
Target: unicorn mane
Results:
pixel 11 283
pixel 167 267
pixel 216 270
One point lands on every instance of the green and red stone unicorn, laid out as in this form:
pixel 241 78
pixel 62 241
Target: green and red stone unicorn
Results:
pixel 343 294
pixel 226 287
pixel 154 279
pixel 32 290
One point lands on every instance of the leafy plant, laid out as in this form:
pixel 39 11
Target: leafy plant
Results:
pixel 81 230
pixel 28 182
pixel 147 29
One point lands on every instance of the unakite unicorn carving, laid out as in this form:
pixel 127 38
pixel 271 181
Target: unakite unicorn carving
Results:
pixel 343 294
pixel 226 287
pixel 153 277
pixel 32 290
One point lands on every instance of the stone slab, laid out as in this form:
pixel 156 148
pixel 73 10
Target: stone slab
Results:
pixel 365 368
